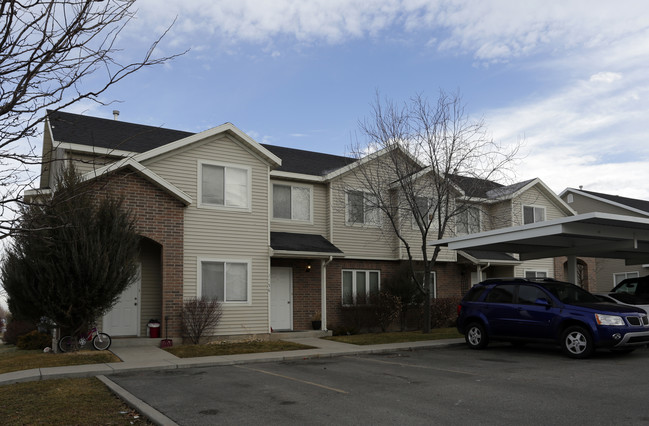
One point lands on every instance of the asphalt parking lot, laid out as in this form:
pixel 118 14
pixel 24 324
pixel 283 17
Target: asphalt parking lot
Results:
pixel 502 385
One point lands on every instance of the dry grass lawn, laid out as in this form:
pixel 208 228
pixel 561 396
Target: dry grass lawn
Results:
pixel 233 348
pixel 64 402
pixel 25 360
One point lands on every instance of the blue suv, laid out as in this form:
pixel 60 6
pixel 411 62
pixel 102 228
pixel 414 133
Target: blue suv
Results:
pixel 545 310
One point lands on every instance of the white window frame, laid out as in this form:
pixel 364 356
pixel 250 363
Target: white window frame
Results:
pixel 291 185
pixel 354 291
pixel 626 275
pixel 536 272
pixel 466 211
pixel 433 276
pixel 199 275
pixel 226 166
pixel 534 207
pixel 367 222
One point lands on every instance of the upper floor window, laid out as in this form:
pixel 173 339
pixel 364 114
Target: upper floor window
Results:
pixel 227 281
pixel 224 185
pixel 533 214
pixel 424 207
pixel 359 286
pixel 361 208
pixel 291 202
pixel 468 221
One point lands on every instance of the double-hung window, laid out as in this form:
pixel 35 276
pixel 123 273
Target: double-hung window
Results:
pixel 533 214
pixel 536 274
pixel 228 281
pixel 291 202
pixel 359 286
pixel 223 185
pixel 468 221
pixel 424 207
pixel 361 208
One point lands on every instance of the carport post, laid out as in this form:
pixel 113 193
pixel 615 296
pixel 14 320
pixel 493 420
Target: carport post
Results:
pixel 572 269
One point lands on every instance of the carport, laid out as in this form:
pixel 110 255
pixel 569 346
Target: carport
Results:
pixel 594 234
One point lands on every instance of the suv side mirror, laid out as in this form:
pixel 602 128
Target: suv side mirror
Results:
pixel 542 301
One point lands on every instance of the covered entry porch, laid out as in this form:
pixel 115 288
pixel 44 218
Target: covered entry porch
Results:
pixel 298 284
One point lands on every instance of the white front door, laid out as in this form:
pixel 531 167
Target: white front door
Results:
pixel 124 318
pixel 281 313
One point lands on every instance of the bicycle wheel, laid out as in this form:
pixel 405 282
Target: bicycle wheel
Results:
pixel 101 342
pixel 66 344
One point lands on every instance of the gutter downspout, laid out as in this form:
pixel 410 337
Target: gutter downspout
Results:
pixel 323 292
pixel 480 270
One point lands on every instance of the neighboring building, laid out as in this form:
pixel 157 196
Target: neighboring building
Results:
pixel 608 272
pixel 278 234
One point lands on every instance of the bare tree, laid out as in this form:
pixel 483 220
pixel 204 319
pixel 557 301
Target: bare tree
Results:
pixel 427 162
pixel 49 50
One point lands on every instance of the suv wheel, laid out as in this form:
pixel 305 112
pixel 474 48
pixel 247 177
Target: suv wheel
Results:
pixel 576 342
pixel 475 336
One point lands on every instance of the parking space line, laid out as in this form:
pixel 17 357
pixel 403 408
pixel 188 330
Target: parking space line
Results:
pixel 379 361
pixel 292 378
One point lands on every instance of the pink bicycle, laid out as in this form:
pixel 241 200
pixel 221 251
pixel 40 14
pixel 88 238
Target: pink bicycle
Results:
pixel 100 341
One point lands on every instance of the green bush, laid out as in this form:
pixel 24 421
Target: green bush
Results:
pixel 15 329
pixel 34 340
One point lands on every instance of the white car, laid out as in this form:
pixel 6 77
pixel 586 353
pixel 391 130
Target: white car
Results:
pixel 632 291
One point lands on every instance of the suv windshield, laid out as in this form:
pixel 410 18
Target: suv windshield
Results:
pixel 570 294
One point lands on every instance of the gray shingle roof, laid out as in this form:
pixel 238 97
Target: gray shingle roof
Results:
pixel 120 135
pixel 288 241
pixel 631 202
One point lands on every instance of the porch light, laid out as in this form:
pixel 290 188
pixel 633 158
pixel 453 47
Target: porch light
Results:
pixel 308 267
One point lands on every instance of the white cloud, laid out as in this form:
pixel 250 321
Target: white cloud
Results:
pixel 490 30
pixel 605 77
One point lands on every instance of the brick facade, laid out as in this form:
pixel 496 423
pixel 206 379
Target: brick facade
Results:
pixel 159 217
pixel 587 268
pixel 452 281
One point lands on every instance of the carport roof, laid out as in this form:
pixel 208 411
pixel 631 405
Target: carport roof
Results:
pixel 592 234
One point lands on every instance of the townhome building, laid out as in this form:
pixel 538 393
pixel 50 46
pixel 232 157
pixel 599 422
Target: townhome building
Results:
pixel 278 235
pixel 607 273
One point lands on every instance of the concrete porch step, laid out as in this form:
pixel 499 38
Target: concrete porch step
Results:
pixel 309 334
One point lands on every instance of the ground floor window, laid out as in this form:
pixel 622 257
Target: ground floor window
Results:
pixel 433 279
pixel 618 277
pixel 536 274
pixel 360 285
pixel 227 281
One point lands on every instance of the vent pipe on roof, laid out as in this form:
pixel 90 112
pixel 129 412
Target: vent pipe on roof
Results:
pixel 115 114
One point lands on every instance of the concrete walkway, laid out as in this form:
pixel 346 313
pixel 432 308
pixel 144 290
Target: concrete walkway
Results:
pixel 148 357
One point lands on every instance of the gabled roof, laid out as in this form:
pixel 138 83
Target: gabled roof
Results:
pixel 308 162
pixel 121 138
pixel 110 134
pixel 633 204
pixel 474 187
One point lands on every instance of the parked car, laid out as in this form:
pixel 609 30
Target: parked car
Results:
pixel 546 310
pixel 631 291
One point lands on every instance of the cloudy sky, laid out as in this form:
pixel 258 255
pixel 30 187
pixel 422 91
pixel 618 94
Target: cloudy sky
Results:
pixel 568 78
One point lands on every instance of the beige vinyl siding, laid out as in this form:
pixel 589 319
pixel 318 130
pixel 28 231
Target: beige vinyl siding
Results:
pixel 320 214
pixel 220 234
pixel 583 204
pixel 85 163
pixel 498 215
pixel 360 241
pixel 534 197
pixel 151 285
pixel 543 265
pixel 606 268
pixel 48 155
